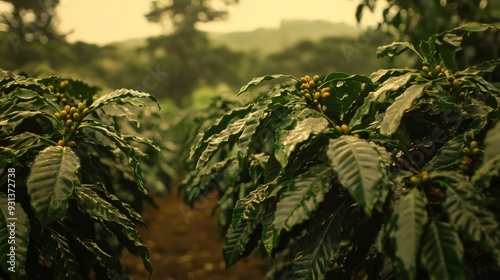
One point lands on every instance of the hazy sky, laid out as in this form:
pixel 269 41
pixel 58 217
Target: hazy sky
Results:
pixel 104 21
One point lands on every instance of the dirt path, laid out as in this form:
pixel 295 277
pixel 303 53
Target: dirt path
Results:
pixel 185 246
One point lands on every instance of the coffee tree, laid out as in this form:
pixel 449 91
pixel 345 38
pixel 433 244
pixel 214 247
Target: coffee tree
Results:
pixel 391 176
pixel 71 181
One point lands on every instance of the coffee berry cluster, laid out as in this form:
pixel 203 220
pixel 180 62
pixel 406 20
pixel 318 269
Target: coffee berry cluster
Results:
pixel 438 71
pixel 311 90
pixel 470 152
pixel 71 117
pixel 60 96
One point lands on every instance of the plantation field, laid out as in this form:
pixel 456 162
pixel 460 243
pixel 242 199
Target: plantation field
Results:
pixel 186 251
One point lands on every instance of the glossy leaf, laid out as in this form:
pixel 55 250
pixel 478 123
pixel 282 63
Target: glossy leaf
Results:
pixel 358 167
pixel 442 252
pixel 395 49
pixel 98 208
pixel 491 147
pixel 51 181
pixel 248 207
pixel 319 248
pixel 394 113
pixel 410 220
pixel 307 126
pixel 119 96
pixel 66 265
pixel 302 197
pixel 15 231
pixel 258 80
pixel 110 263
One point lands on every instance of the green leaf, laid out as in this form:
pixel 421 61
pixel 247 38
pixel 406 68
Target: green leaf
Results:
pixel 120 96
pixel 302 197
pixel 392 84
pixel 125 146
pixel 447 155
pixel 17 237
pixel 473 27
pixel 358 166
pixel 219 125
pixel 481 68
pixel 319 248
pixel 270 236
pixel 51 181
pixel 230 133
pixel 410 220
pixel 442 252
pixel 65 264
pixel 238 237
pixel 110 263
pixel 258 80
pixel 308 122
pixel 491 147
pixel 248 207
pixel 395 49
pixel 486 172
pixel 98 208
pixel 394 113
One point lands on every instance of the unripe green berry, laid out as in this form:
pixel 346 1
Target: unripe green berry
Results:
pixel 463 167
pixel 461 94
pixel 476 151
pixel 71 143
pixel 338 129
pixel 466 151
pixel 441 74
pixel 64 100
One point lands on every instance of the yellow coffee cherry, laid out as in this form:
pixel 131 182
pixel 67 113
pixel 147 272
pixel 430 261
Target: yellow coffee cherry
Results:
pixel 464 114
pixel 63 114
pixel 325 95
pixel 85 112
pixel 60 143
pixel 71 143
pixel 345 129
pixel 316 78
pixel 466 151
pixel 76 116
pixel 307 95
pixel 476 151
pixel 57 115
pixel 69 123
pixel 317 95
pixel 473 144
pixel 64 100
pixel 72 110
pixel 456 84
pixel 414 180
pixel 307 78
pixel 425 69
pixel 67 108
pixel 438 69
pixel 325 89
pixel 312 84
pixel 425 177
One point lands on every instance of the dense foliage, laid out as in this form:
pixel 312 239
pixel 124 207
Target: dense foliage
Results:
pixel 391 176
pixel 74 173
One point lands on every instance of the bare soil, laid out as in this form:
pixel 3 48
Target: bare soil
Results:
pixel 186 245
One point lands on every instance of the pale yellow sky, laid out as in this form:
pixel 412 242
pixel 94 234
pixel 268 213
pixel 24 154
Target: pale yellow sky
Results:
pixel 105 21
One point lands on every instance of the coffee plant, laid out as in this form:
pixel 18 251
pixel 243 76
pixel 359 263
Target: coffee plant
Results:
pixel 391 176
pixel 71 177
